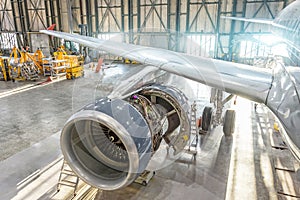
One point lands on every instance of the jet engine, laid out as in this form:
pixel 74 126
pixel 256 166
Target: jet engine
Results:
pixel 110 142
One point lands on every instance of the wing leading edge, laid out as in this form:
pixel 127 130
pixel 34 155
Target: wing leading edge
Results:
pixel 243 80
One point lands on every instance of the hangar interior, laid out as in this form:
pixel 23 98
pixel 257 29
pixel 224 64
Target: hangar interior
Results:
pixel 174 25
pixel 253 163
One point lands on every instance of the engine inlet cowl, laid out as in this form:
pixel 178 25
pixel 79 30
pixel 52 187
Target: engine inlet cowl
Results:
pixel 107 144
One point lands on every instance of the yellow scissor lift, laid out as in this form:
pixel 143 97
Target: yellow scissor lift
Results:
pixel 74 63
pixel 75 66
pixel 5 69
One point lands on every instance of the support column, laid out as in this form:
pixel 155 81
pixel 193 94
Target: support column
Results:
pixel 232 29
pixel 178 13
pixel 70 17
pixel 88 17
pixel 130 21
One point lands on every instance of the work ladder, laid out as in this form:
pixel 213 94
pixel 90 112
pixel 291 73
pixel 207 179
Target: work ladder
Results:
pixel 67 178
pixel 194 129
pixel 192 148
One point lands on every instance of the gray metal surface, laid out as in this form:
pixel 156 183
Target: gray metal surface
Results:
pixel 287 25
pixel 284 101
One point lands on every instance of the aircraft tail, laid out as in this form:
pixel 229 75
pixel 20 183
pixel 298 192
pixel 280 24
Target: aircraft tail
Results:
pixel 51 28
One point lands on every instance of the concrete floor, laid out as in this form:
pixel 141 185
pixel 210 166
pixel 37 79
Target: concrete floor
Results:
pixel 239 167
pixel 30 115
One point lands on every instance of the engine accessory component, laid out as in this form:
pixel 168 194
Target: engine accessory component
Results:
pixel 206 118
pixel 229 122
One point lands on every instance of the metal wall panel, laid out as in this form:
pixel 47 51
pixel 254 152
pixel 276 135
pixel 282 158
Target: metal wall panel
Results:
pixel 171 24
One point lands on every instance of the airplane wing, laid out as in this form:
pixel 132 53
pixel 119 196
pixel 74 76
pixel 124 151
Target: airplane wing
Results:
pixel 252 20
pixel 258 21
pixel 243 80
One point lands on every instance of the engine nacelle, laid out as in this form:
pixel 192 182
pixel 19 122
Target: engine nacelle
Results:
pixel 109 143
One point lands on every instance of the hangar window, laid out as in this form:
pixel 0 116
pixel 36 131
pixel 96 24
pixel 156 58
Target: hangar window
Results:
pixel 201 45
pixel 117 37
pixel 250 49
pixel 263 46
pixel 8 40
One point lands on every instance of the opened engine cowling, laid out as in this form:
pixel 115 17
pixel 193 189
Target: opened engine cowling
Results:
pixel 109 143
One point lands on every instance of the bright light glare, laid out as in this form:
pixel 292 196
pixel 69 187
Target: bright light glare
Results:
pixel 269 40
pixel 117 37
pixel 264 46
pixel 280 49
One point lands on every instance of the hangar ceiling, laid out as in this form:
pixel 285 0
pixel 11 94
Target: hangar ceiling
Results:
pixel 192 26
